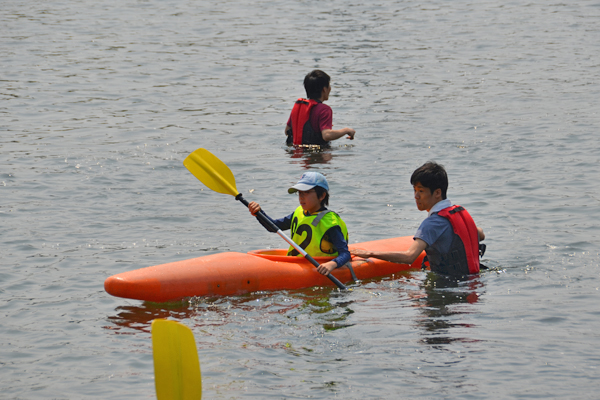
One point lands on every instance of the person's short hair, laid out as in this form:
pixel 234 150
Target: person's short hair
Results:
pixel 432 176
pixel 319 191
pixel 314 83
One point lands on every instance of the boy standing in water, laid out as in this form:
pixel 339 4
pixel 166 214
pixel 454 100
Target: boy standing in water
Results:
pixel 310 122
pixel 319 231
pixel 448 235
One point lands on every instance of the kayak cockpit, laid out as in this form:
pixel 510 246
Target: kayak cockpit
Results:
pixel 281 256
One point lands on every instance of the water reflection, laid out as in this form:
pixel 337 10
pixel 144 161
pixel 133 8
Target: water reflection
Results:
pixel 320 306
pixel 140 317
pixel 330 315
pixel 310 155
pixel 445 299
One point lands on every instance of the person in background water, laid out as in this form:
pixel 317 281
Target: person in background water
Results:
pixel 448 235
pixel 319 231
pixel 310 122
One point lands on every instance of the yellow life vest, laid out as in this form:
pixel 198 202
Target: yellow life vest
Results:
pixel 310 232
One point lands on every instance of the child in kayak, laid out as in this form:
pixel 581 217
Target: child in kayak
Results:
pixel 311 121
pixel 319 231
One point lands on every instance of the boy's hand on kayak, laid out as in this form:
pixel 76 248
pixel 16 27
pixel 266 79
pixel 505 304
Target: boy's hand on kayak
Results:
pixel 254 208
pixel 360 253
pixel 325 269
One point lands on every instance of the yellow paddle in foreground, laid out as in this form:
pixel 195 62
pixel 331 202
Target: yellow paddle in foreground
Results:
pixel 217 176
pixel 176 366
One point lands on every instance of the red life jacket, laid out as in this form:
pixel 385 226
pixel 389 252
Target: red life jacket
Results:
pixel 303 132
pixel 464 227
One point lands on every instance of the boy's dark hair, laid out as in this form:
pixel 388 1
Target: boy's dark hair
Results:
pixel 314 83
pixel 432 176
pixel 319 191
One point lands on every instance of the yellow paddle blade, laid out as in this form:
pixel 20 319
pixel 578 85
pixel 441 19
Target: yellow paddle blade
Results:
pixel 176 366
pixel 211 171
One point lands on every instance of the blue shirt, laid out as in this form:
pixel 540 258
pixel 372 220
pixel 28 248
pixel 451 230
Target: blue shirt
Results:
pixel 436 231
pixel 335 235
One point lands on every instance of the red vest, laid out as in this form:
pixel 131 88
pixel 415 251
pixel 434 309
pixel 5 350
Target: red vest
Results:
pixel 303 133
pixel 464 226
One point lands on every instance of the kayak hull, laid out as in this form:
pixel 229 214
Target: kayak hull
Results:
pixel 234 273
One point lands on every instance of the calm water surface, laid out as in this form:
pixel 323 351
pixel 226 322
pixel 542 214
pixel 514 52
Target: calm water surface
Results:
pixel 101 102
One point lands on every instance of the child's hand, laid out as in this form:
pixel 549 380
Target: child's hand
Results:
pixel 350 132
pixel 360 253
pixel 325 269
pixel 254 208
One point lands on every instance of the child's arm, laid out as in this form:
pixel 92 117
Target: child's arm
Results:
pixel 480 233
pixel 339 242
pixel 282 223
pixel 330 134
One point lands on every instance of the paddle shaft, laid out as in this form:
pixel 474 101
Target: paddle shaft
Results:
pixel 273 228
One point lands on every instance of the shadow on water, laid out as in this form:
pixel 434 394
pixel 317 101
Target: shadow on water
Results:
pixel 441 306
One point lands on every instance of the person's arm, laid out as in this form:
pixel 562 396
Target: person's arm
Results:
pixel 480 234
pixel 289 132
pixel 330 134
pixel 282 223
pixel 339 242
pixel 400 257
pixel 325 124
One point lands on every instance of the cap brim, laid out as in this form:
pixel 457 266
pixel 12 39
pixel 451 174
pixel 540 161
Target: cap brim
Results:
pixel 300 187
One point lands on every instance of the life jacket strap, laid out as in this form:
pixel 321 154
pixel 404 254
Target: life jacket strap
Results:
pixel 456 209
pixel 319 217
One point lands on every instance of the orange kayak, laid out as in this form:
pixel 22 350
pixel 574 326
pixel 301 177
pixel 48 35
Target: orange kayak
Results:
pixel 235 273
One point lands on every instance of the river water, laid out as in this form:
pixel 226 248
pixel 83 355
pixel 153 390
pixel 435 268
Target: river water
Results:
pixel 102 101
